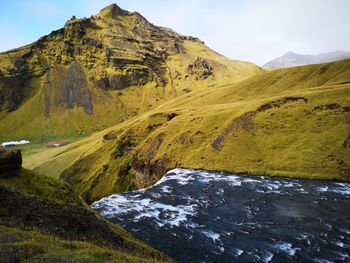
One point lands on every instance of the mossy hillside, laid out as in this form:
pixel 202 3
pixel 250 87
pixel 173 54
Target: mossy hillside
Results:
pixel 62 225
pixel 98 72
pixel 291 122
pixel 28 183
pixel 18 245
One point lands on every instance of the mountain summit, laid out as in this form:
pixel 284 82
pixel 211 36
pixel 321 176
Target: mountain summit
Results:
pixel 112 11
pixel 99 71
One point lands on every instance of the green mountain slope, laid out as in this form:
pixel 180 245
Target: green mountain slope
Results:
pixel 100 71
pixel 43 220
pixel 290 122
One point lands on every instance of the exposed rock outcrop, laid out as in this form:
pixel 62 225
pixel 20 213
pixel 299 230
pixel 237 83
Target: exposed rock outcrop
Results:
pixel 67 88
pixel 200 69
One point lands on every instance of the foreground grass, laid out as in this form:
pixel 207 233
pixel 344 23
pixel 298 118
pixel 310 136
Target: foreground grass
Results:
pixel 32 246
pixel 43 220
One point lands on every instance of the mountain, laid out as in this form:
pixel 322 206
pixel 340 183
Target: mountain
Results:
pixel 100 71
pixel 288 122
pixel 291 59
pixel 43 220
pixel 150 100
pixel 191 107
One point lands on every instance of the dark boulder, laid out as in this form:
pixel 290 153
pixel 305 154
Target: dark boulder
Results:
pixel 10 162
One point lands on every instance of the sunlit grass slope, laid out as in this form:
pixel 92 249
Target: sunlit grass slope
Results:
pixel 291 122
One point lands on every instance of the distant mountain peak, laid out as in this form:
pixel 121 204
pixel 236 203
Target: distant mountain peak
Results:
pixel 292 59
pixel 290 53
pixel 112 11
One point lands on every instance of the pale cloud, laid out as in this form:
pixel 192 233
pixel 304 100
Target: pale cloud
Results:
pixel 259 31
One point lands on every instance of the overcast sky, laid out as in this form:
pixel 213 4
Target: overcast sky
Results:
pixel 251 30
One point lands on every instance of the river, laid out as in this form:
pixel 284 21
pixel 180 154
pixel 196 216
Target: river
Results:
pixel 201 216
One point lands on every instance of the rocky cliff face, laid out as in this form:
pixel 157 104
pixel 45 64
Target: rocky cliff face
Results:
pixel 81 68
